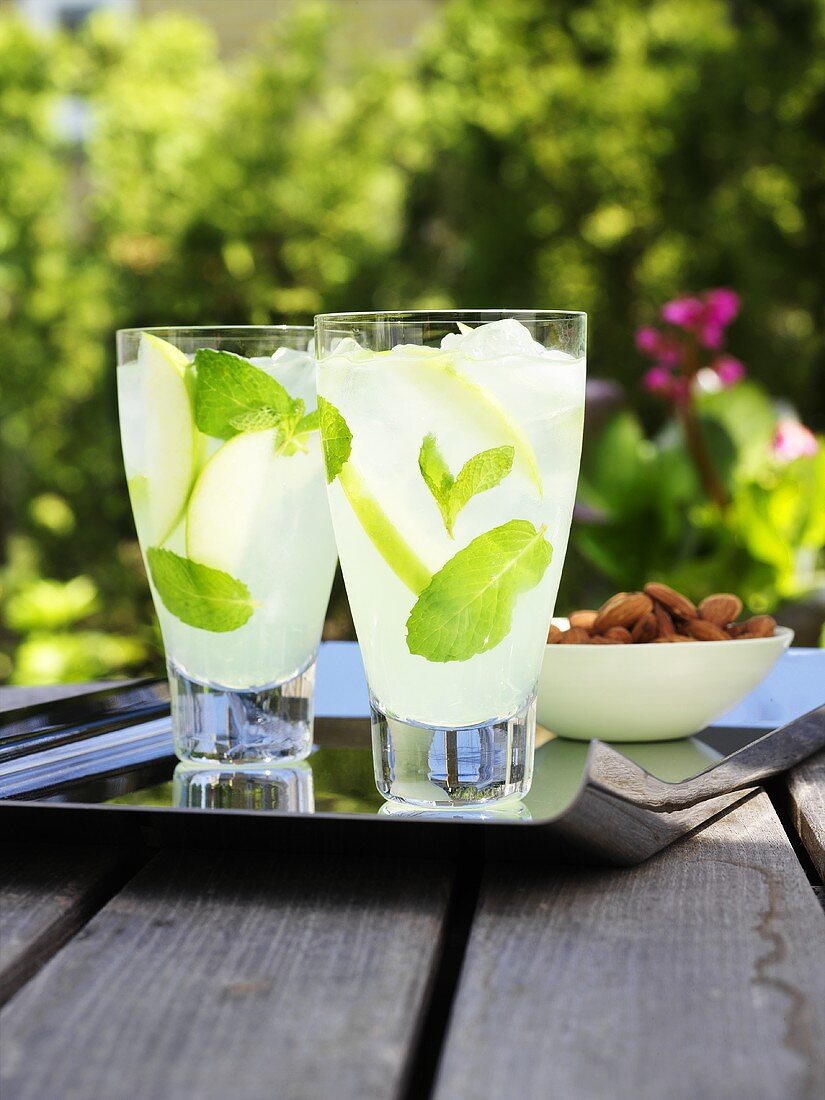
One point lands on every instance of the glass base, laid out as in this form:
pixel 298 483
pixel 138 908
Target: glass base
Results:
pixel 436 767
pixel 270 725
pixel 205 787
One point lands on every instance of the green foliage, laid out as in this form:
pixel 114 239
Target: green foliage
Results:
pixel 602 155
pixel 654 521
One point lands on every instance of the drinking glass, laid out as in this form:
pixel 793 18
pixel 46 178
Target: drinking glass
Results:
pixel 223 463
pixel 451 444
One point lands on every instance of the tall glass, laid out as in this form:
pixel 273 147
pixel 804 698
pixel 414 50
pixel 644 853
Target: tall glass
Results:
pixel 452 442
pixel 223 461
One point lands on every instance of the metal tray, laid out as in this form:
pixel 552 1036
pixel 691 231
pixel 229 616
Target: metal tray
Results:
pixel 100 768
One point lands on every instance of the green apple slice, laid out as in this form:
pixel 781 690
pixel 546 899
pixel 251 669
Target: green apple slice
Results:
pixel 475 400
pixel 159 438
pixel 382 533
pixel 238 482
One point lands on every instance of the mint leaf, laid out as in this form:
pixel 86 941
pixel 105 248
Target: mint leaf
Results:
pixel 481 472
pixel 230 389
pixel 467 608
pixel 436 474
pixel 336 438
pixel 197 594
pixel 293 431
pixel 255 420
pixel 309 423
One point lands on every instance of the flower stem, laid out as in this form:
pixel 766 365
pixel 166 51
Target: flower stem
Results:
pixel 686 412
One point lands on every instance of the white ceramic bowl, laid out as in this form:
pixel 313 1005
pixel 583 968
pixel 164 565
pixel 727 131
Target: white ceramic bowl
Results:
pixel 649 692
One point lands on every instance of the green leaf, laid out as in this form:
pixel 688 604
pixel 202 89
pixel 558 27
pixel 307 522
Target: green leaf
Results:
pixel 336 438
pixel 614 467
pixel 467 608
pixel 747 414
pixel 309 423
pixel 231 391
pixel 197 594
pixel 482 472
pixel 256 420
pixel 436 474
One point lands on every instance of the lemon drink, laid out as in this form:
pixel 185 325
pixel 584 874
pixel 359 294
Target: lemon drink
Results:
pixel 223 463
pixel 452 446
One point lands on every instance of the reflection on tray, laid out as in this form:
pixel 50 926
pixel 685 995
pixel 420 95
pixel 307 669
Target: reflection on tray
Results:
pixel 507 811
pixel 338 778
pixel 287 789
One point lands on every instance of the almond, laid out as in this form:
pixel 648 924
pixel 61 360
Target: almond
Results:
pixel 553 634
pixel 618 634
pixel 574 636
pixel 674 601
pixel 664 620
pixel 703 631
pixel 646 629
pixel 671 638
pixel 760 626
pixel 721 608
pixel 622 610
pixel 602 639
pixel 585 619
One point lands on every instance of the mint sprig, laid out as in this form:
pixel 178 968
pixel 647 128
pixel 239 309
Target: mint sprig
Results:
pixel 197 594
pixel 233 395
pixel 293 430
pixel 481 472
pixel 467 608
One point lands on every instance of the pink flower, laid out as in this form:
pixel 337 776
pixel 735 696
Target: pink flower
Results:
pixel 793 440
pixel 722 306
pixel 683 312
pixel 658 380
pixel 662 346
pixel 648 340
pixel 706 315
pixel 710 335
pixel 730 370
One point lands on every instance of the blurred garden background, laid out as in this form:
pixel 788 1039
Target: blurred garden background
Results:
pixel 250 162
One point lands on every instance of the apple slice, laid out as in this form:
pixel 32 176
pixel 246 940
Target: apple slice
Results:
pixel 158 435
pixel 238 497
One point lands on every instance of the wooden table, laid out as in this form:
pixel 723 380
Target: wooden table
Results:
pixel 700 974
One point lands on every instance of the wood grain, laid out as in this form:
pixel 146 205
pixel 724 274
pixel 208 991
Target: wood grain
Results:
pixel 234 976
pixel 806 790
pixel 700 973
pixel 46 894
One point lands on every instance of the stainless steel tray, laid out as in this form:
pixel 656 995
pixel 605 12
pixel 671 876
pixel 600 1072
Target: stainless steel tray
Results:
pixel 100 768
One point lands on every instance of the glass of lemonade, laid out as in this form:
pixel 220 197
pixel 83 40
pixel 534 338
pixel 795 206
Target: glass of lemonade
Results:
pixel 220 438
pixel 451 446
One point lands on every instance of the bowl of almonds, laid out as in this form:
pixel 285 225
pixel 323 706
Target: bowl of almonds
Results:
pixel 652 665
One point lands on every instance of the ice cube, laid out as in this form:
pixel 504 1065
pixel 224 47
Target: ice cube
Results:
pixel 494 340
pixel 347 348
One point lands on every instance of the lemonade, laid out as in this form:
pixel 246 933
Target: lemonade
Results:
pixel 223 463
pixel 452 473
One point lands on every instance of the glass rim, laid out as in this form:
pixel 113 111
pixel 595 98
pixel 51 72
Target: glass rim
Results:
pixel 417 316
pixel 246 330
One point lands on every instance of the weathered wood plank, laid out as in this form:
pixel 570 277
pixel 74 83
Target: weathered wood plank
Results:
pixel 806 790
pixel 234 976
pixel 46 893
pixel 700 973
